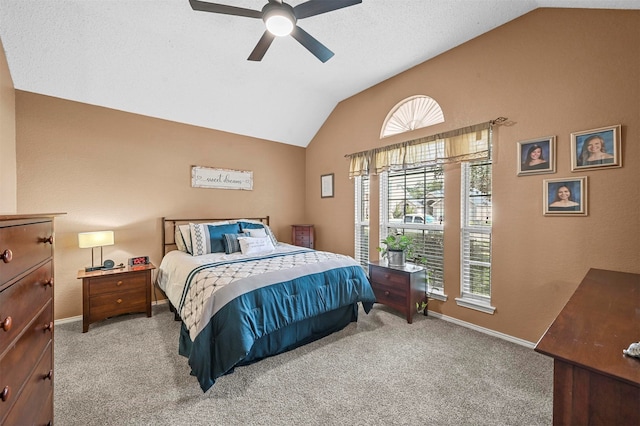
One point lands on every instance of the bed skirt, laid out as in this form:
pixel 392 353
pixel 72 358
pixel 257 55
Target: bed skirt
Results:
pixel 285 339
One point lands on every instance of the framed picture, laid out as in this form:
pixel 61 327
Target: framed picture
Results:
pixel 537 156
pixel 565 196
pixel 595 149
pixel 326 186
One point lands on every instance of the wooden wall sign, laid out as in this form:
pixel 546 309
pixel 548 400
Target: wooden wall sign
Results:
pixel 207 177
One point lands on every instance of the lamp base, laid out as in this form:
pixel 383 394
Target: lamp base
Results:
pixel 93 268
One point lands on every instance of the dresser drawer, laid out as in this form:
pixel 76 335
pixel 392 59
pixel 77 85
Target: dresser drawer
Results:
pixel 34 406
pixel 112 304
pixel 17 363
pixel 302 240
pixel 303 232
pixel 386 275
pixel 20 302
pixel 120 282
pixel 28 245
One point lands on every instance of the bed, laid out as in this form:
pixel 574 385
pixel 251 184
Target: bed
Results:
pixel 242 296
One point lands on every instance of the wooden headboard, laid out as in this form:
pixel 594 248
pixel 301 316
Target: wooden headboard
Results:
pixel 169 228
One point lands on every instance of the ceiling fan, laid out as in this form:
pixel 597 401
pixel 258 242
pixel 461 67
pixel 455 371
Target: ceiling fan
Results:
pixel 281 20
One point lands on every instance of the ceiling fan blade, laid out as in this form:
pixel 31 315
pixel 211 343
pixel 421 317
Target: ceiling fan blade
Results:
pixel 316 7
pixel 314 46
pixel 261 47
pixel 204 6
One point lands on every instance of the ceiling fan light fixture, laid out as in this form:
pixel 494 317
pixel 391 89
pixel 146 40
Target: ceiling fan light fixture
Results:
pixel 278 22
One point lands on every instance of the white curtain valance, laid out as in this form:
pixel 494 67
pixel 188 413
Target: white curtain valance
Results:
pixel 468 143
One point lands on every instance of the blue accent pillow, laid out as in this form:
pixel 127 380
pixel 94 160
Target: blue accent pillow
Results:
pixel 231 243
pixel 216 236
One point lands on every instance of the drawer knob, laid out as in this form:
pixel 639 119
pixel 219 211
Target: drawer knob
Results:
pixel 6 256
pixel 49 375
pixel 119 283
pixel 49 326
pixel 119 301
pixel 387 276
pixel 386 293
pixel 48 283
pixel 6 392
pixel 7 323
pixel 47 240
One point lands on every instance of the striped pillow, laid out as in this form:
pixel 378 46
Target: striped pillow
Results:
pixel 207 239
pixel 231 243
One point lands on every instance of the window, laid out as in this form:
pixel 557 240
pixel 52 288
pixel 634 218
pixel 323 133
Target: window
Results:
pixel 412 203
pixel 362 221
pixel 412 113
pixel 475 287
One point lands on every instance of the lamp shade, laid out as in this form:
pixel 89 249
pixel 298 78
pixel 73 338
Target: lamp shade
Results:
pixel 95 239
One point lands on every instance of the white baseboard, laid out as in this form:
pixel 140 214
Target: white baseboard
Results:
pixel 79 317
pixel 488 331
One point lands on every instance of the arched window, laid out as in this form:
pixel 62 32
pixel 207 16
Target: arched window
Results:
pixel 412 113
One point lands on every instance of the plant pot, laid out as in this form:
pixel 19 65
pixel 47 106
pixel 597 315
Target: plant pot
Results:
pixel 396 257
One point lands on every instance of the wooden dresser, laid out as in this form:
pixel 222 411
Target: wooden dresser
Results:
pixel 399 287
pixel 593 382
pixel 302 235
pixel 26 319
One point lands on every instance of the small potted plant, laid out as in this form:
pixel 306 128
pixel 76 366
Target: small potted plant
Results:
pixel 422 305
pixel 396 249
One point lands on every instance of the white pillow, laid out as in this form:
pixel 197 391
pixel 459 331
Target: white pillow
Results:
pixel 251 245
pixel 268 230
pixel 257 232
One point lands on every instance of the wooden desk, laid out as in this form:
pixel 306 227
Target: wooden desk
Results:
pixel 593 382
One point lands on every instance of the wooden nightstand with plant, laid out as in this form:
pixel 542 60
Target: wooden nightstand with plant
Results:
pixel 399 287
pixel 111 292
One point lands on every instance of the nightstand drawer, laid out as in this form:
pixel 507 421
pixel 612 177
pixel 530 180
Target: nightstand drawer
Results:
pixel 119 283
pixel 389 295
pixel 112 304
pixel 387 275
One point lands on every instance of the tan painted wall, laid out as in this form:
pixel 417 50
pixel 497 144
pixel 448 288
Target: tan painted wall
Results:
pixel 113 170
pixel 8 188
pixel 551 72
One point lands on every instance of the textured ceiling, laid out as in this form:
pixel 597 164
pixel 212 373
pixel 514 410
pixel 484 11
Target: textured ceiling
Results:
pixel 162 59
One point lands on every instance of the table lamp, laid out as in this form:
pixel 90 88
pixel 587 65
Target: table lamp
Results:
pixel 92 240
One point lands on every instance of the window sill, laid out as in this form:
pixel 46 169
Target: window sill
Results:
pixel 475 304
pixel 438 296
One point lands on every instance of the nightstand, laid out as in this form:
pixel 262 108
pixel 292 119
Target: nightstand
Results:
pixel 107 293
pixel 399 287
pixel 302 235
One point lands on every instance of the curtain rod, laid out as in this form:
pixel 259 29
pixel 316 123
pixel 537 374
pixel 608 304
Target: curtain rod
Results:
pixel 437 136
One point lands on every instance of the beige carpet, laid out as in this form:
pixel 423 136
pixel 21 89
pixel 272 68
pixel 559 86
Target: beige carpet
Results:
pixel 379 371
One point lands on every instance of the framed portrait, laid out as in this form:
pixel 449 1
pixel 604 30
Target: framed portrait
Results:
pixel 326 186
pixel 537 156
pixel 595 149
pixel 565 196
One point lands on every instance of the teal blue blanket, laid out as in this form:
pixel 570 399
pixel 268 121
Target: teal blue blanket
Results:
pixel 297 299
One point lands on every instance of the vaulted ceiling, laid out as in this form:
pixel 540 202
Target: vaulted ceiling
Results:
pixel 162 59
